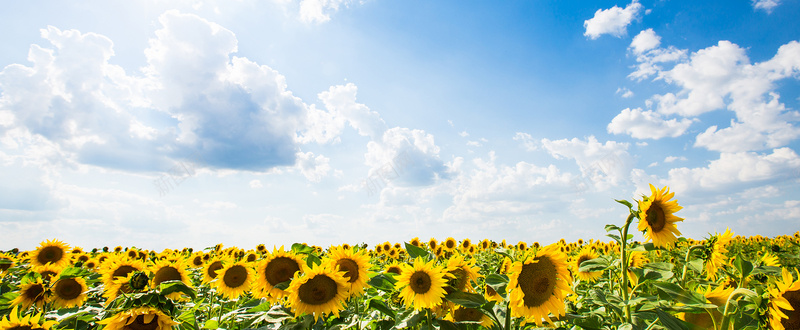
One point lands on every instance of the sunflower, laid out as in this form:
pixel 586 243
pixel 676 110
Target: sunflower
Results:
pixel 135 281
pixel 394 268
pixel 422 284
pixel 393 253
pixel 718 255
pixel 139 318
pixel 538 285
pixel 461 273
pixel 321 289
pixel 119 266
pixel 32 293
pixel 491 295
pixel 770 259
pixel 197 260
pixel 51 252
pixel 165 270
pixel 717 296
pixel 30 322
pixel 276 268
pixel 450 244
pixel 583 255
pixel 354 265
pixel 464 314
pixel 505 266
pixel 784 309
pixel 386 246
pixel 433 244
pixel 465 244
pixel 522 246
pixel 416 242
pixel 234 280
pixel 48 271
pixel 7 260
pixel 657 218
pixel 69 292
pixel 211 270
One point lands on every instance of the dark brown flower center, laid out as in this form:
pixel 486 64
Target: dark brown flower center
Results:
pixel 793 322
pixel 5 264
pixel 123 271
pixel 450 244
pixel 235 276
pixel 318 290
pixel 467 314
pixel 656 218
pixel 350 269
pixel 537 281
pixel 68 289
pixel 420 282
pixel 167 273
pixel 393 269
pixel 50 254
pixel 213 268
pixel 197 261
pixel 35 293
pixel 138 324
pixel 457 282
pixel 280 269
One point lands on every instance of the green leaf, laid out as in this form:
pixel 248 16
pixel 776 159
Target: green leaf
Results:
pixel 382 282
pixel 302 248
pixel 497 282
pixel 466 299
pixel 168 287
pixel 611 227
pixel 593 265
pixel 188 320
pixel 447 325
pixel 743 266
pixel 283 285
pixel 672 322
pixel 73 272
pixel 415 251
pixel 211 324
pixel 696 265
pixel 663 266
pixel 626 203
pixel 675 292
pixel 380 306
pixel 312 260
pixel 615 237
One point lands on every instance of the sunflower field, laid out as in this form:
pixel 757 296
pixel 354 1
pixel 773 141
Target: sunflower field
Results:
pixel 669 281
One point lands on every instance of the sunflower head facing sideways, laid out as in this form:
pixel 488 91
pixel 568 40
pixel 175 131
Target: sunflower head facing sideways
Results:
pixel 718 255
pixel 657 217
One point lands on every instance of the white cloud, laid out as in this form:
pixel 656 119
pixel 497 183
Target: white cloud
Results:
pixel 605 164
pixel 625 93
pixel 341 101
pixel 644 41
pixel 527 141
pixel 647 124
pixel 313 168
pixel 405 157
pixel 613 21
pixel 735 170
pixel 671 159
pixel 766 5
pixel 256 184
pixel 319 11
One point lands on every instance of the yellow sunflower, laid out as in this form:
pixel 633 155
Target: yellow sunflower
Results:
pixel 718 256
pixel 7 260
pixel 717 296
pixel 48 271
pixel 69 292
pixel 465 244
pixel 394 268
pixel 450 244
pixel 784 309
pixel 211 270
pixel 165 270
pixel 657 217
pixel 538 285
pixel 234 280
pixel 464 314
pixel 51 252
pixel 119 266
pixel 416 242
pixel 461 272
pixel 433 244
pixel 422 284
pixel 320 290
pixel 29 322
pixel 277 267
pixel 196 260
pixel 32 293
pixel 139 318
pixel 583 255
pixel 770 259
pixel 354 265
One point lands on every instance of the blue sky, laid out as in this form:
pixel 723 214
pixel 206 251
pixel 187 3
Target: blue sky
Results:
pixel 164 124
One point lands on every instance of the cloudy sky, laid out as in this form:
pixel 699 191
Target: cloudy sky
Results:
pixel 165 124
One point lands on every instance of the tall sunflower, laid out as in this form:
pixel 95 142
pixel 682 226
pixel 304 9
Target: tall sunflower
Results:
pixel 718 255
pixel 51 252
pixel 31 293
pixel 139 318
pixel 69 292
pixel 539 284
pixel 234 280
pixel 30 322
pixel 320 290
pixel 461 272
pixel 583 255
pixel 784 309
pixel 277 267
pixel 422 284
pixel 354 265
pixel 433 244
pixel 165 270
pixel 657 217
pixel 450 244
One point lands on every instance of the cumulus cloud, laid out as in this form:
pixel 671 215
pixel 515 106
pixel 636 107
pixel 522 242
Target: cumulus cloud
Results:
pixel 647 124
pixel 605 164
pixel 613 21
pixel 526 140
pixel 405 157
pixel 341 102
pixel 319 11
pixel 766 5
pixel 650 56
pixel 736 170
pixel 313 168
pixel 624 92
pixel 644 41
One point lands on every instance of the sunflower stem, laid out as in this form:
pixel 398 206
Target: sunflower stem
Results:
pixel 686 263
pixel 735 295
pixel 623 247
pixel 508 316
